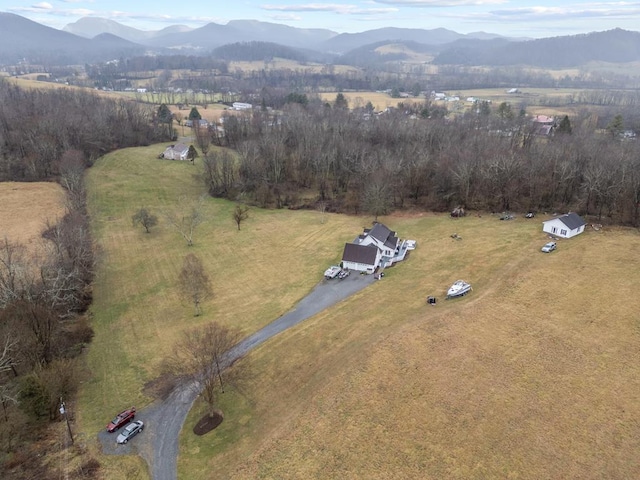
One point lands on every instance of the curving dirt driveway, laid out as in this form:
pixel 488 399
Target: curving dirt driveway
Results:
pixel 163 419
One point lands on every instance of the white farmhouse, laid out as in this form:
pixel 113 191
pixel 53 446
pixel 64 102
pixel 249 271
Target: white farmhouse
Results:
pixel 565 226
pixel 179 151
pixel 376 247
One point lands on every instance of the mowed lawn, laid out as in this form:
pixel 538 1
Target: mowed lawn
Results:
pixel 257 273
pixel 533 375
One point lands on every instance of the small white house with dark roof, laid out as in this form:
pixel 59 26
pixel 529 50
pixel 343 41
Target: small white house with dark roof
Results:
pixel 565 226
pixel 179 151
pixel 376 247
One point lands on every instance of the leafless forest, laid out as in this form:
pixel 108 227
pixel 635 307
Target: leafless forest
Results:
pixel 356 161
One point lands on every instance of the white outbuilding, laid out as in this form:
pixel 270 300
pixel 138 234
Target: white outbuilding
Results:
pixel 565 226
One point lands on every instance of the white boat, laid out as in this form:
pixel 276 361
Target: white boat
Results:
pixel 458 289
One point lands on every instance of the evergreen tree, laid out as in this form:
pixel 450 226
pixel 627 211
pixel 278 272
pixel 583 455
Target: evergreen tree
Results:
pixel 194 114
pixel 341 101
pixel 484 108
pixel 504 111
pixel 192 154
pixel 165 116
pixel 565 126
pixel 616 126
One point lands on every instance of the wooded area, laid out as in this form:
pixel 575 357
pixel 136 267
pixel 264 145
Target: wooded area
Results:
pixel 354 161
pixel 51 135
pixel 37 127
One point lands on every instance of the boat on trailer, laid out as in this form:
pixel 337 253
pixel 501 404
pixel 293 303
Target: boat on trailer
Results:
pixel 458 289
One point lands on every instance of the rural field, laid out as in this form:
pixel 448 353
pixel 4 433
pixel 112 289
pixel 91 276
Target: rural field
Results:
pixel 26 209
pixel 533 375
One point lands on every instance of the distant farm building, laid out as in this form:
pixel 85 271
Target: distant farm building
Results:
pixel 241 106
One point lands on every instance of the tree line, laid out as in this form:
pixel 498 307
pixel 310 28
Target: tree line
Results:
pixel 38 126
pixel 44 325
pixel 494 160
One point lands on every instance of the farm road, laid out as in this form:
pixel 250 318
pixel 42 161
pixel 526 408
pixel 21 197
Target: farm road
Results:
pixel 163 419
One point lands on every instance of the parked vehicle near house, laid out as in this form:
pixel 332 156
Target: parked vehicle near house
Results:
pixel 343 274
pixel 130 431
pixel 121 419
pixel 549 247
pixel 332 272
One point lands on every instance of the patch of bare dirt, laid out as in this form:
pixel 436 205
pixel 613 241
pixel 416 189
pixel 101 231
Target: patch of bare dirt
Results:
pixel 208 423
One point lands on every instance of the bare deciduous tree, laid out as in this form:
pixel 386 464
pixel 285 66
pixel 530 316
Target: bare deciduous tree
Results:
pixel 195 284
pixel 240 214
pixel 144 218
pixel 72 166
pixel 376 198
pixel 203 138
pixel 13 268
pixel 201 354
pixel 187 217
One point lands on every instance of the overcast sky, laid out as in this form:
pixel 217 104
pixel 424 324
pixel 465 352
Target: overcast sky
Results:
pixel 511 18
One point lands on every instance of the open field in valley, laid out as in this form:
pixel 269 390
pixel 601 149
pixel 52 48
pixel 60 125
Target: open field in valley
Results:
pixel 535 374
pixel 547 101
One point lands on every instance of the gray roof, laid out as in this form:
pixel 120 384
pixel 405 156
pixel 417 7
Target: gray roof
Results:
pixel 178 147
pixel 365 254
pixel 572 220
pixel 386 236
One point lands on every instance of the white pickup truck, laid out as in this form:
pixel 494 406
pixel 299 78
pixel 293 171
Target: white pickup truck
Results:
pixel 332 272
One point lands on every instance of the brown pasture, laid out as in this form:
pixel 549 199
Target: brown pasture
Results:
pixel 533 375
pixel 25 210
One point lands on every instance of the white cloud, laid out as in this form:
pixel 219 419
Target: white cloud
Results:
pixel 329 7
pixel 560 14
pixel 441 3
pixel 285 17
pixel 43 6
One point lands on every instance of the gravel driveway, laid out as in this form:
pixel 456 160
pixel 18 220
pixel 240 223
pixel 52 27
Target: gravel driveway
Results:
pixel 163 419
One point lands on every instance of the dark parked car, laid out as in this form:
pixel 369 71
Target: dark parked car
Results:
pixel 121 419
pixel 130 431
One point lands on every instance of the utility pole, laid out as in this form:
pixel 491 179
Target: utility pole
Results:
pixel 63 411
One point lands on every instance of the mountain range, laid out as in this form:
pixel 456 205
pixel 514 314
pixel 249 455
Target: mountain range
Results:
pixel 93 39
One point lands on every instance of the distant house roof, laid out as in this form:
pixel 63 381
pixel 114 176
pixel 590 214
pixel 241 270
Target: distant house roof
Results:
pixel 571 220
pixel 179 147
pixel 365 254
pixel 543 119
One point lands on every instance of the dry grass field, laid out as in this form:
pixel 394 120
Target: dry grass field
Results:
pixel 285 64
pixel 533 375
pixel 379 100
pixel 26 208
